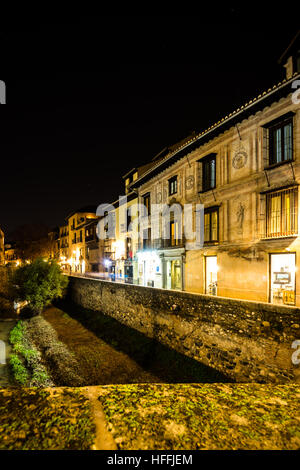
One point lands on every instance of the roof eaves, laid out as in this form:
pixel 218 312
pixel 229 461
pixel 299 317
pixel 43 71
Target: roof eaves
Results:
pixel 220 123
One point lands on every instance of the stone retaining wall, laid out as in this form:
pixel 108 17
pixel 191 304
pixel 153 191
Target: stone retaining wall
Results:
pixel 248 341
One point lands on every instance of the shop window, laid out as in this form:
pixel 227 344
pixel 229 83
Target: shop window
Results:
pixel 282 213
pixel 282 282
pixel 211 225
pixel 172 185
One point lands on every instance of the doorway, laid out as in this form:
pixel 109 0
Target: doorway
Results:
pixel 211 274
pixel 176 275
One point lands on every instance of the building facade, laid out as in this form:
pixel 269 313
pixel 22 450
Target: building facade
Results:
pixel 11 255
pixel 75 237
pixel 245 171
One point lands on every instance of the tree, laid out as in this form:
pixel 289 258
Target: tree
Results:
pixel 39 283
pixel 32 241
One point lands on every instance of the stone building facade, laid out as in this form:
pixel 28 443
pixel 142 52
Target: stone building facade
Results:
pixel 245 171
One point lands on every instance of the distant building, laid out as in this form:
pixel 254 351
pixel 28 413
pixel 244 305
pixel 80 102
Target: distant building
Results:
pixel 11 255
pixel 53 239
pixel 77 223
pixel 63 246
pixel 120 251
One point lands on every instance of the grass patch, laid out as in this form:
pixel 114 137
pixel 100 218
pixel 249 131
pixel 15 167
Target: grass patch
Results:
pixel 19 371
pixel 60 361
pixel 25 362
pixel 33 419
pixel 203 416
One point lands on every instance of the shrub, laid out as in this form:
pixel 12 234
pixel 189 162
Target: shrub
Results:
pixel 39 283
pixel 19 370
pixel 25 362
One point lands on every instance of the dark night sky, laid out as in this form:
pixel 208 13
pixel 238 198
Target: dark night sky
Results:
pixel 89 98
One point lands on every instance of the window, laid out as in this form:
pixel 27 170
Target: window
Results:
pixel 173 185
pixel 135 176
pixel 146 201
pixel 209 172
pixel 282 213
pixel 128 222
pixel 147 238
pixel 128 248
pixel 281 142
pixel 174 233
pixel 211 225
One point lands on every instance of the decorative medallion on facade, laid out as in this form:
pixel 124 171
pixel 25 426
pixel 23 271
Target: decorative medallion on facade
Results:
pixel 189 182
pixel 239 159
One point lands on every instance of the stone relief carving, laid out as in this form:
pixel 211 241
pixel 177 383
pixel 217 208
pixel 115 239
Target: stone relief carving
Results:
pixel 240 151
pixel 240 159
pixel 189 182
pixel 240 215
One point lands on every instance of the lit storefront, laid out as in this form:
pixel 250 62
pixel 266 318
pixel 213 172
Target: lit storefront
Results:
pixel 161 268
pixel 149 269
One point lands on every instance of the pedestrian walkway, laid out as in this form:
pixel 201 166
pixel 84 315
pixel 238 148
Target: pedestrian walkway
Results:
pixel 5 327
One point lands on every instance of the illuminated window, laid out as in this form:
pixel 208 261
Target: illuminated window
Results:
pixel 174 233
pixel 135 175
pixel 211 222
pixel 282 213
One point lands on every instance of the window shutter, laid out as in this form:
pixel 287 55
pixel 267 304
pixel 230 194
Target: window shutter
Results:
pixel 265 147
pixel 262 215
pixel 200 183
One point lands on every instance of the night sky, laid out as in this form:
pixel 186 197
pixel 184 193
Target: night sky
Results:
pixel 90 98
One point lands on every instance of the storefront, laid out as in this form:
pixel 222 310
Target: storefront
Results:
pixel 282 278
pixel 149 269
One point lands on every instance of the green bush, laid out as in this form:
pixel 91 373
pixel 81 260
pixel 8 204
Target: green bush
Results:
pixel 39 283
pixel 25 361
pixel 19 370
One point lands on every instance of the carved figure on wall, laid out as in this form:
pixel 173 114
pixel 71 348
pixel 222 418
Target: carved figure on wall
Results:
pixel 240 215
